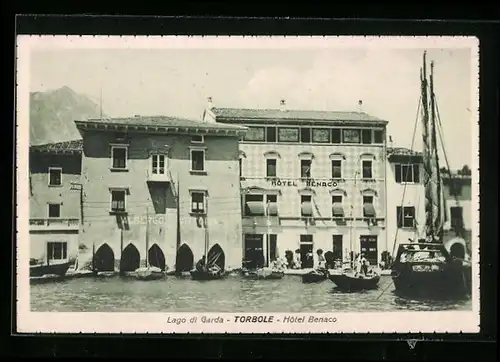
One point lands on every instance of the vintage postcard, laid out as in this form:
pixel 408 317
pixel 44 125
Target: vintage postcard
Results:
pixel 247 184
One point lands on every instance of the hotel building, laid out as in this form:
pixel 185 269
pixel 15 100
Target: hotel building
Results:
pixel 55 201
pixel 310 180
pixel 161 191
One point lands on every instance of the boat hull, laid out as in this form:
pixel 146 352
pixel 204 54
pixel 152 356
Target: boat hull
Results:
pixel 201 275
pixel 451 281
pixel 314 277
pixel 255 275
pixel 353 284
pixel 53 269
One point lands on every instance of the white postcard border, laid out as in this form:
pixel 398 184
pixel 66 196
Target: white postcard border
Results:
pixel 361 322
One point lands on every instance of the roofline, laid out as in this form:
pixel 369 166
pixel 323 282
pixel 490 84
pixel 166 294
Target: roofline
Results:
pixel 324 122
pixel 205 129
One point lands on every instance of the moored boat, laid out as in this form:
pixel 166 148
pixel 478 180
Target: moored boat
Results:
pixel 207 274
pixel 315 276
pixel 263 274
pixel 149 273
pixel 354 282
pixel 52 268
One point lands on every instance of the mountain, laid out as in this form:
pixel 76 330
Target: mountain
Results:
pixel 52 115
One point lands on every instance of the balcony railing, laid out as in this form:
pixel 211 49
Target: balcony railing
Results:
pixel 54 223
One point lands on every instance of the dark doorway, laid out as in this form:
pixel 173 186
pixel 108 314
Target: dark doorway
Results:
pixel 306 251
pixel 130 260
pixel 368 244
pixel 337 247
pixel 254 251
pixel 457 250
pixel 104 259
pixel 184 260
pixel 156 257
pixel 216 256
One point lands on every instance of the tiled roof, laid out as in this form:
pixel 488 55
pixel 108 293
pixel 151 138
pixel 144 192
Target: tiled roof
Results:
pixel 161 121
pixel 74 146
pixel 402 151
pixel 292 114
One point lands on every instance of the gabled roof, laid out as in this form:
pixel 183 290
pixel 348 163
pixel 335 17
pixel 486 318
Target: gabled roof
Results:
pixel 68 147
pixel 292 114
pixel 158 123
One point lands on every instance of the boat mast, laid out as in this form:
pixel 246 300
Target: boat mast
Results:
pixel 206 230
pixel 428 185
pixel 147 236
pixel 436 177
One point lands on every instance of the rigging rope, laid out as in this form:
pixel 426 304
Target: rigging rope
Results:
pixel 407 170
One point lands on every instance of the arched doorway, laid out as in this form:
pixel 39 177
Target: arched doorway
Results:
pixel 104 259
pixel 216 256
pixel 184 259
pixel 130 260
pixel 156 257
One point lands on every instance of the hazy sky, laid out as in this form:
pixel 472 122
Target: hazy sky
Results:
pixel 177 82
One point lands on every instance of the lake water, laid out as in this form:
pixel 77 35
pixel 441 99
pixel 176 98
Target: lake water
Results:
pixel 233 294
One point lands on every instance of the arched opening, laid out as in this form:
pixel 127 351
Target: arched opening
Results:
pixel 156 257
pixel 457 250
pixel 184 259
pixel 130 260
pixel 104 259
pixel 216 256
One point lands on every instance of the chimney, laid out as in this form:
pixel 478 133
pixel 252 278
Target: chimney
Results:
pixel 283 105
pixel 360 106
pixel 210 105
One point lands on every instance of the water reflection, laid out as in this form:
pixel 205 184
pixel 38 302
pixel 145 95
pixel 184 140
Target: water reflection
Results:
pixel 232 294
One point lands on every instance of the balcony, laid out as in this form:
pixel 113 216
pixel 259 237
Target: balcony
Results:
pixel 158 176
pixel 55 223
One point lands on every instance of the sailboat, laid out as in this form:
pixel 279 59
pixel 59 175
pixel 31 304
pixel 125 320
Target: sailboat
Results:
pixel 210 270
pixel 351 280
pixel 427 267
pixel 148 272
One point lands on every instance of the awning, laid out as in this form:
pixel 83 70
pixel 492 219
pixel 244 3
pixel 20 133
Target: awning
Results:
pixel 261 221
pixel 368 210
pixel 254 208
pixel 272 209
pixel 337 210
pixel 307 209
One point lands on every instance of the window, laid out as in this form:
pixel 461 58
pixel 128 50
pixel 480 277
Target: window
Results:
pixel 198 160
pixel 197 139
pixel 378 136
pixel 158 164
pixel 456 216
pixel 406 216
pixel 271 134
pixel 321 135
pixel 119 156
pixel 272 205
pixel 255 134
pixel 271 167
pixel 366 136
pixel 368 208
pixel 337 209
pixel 288 134
pixel 306 205
pixel 118 200
pixel 407 173
pixel 305 135
pixel 455 187
pixel 336 169
pixel 55 176
pixel 254 205
pixel 57 250
pixel 305 168
pixel 54 210
pixel 198 202
pixel 351 136
pixel 336 135
pixel 367 169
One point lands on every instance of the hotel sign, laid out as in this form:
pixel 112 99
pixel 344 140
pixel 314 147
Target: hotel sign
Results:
pixel 308 183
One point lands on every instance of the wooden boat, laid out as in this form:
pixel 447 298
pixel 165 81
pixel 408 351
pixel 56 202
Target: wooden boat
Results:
pixel 207 274
pixel 315 276
pixel 149 273
pixel 431 267
pixel 263 274
pixel 354 282
pixel 52 268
